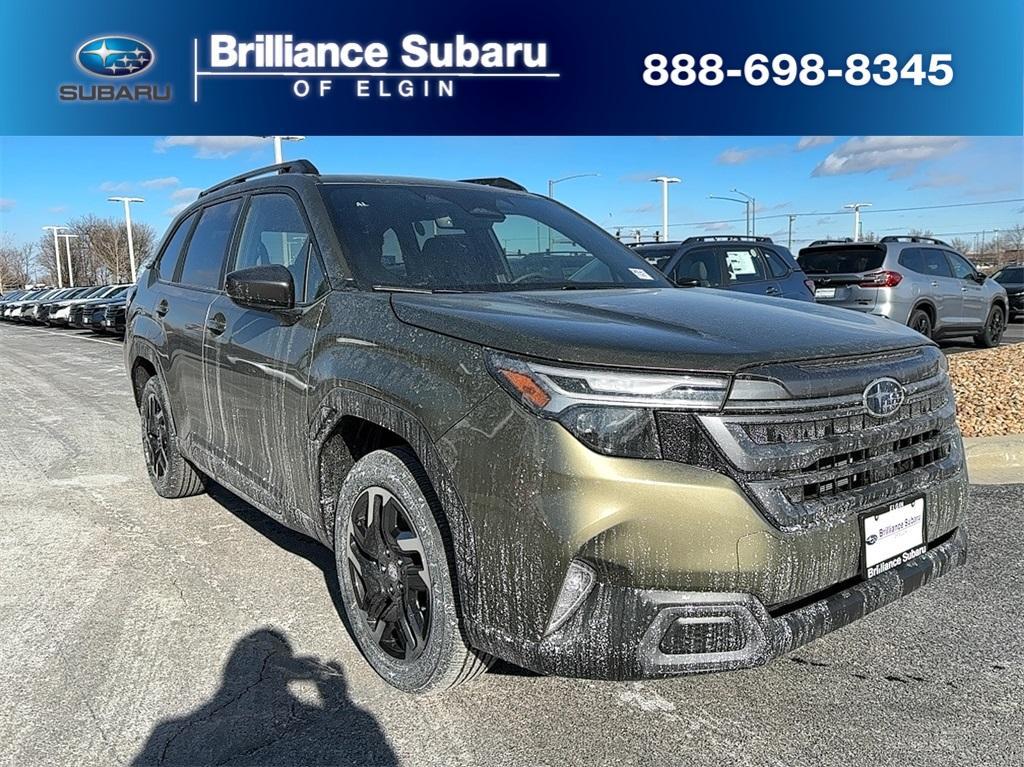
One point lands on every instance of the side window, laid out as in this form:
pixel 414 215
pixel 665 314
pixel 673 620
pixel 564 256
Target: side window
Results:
pixel 776 265
pixel 274 232
pixel 316 284
pixel 961 269
pixel 935 264
pixel 208 246
pixel 744 265
pixel 913 259
pixel 702 265
pixel 167 261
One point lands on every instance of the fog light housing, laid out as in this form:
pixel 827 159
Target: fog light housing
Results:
pixel 579 580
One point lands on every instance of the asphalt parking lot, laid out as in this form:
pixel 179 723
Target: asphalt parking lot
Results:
pixel 1014 335
pixel 143 631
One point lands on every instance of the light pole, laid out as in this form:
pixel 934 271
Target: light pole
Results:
pixel 855 207
pixel 792 218
pixel 128 225
pixel 744 203
pixel 665 181
pixel 56 251
pixel 67 247
pixel 278 154
pixel 751 210
pixel 553 181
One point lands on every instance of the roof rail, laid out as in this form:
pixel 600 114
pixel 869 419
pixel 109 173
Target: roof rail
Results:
pixel 728 238
pixel 912 238
pixel 843 241
pixel 654 242
pixel 292 166
pixel 498 181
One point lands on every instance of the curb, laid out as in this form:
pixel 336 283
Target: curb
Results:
pixel 995 460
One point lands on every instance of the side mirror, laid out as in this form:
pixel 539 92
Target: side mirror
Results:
pixel 262 287
pixel 685 282
pixel 979 278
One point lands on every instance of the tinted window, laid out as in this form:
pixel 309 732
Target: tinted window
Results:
pixel 452 238
pixel 744 265
pixel 316 285
pixel 167 261
pixel 275 233
pixel 702 265
pixel 208 246
pixel 841 260
pixel 1011 276
pixel 913 259
pixel 935 263
pixel 658 257
pixel 776 265
pixel 961 269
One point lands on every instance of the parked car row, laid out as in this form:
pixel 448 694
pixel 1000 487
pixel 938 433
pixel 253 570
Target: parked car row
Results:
pixel 914 280
pixel 100 308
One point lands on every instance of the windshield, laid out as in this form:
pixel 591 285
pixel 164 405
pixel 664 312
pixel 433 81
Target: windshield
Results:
pixel 1011 276
pixel 455 239
pixel 841 261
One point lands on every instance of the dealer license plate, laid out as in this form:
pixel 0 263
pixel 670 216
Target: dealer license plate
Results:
pixel 893 536
pixel 825 293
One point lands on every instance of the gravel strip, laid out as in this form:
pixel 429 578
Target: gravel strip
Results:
pixel 989 386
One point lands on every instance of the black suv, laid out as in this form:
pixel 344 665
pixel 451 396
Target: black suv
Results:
pixel 522 441
pixel 747 264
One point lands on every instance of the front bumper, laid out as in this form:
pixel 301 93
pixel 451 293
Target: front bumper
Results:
pixel 623 633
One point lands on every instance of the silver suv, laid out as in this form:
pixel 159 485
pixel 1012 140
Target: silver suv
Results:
pixel 917 281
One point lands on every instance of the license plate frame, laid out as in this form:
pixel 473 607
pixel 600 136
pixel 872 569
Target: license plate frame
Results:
pixel 909 542
pixel 824 293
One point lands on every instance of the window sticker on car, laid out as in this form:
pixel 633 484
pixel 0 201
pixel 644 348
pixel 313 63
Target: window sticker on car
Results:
pixel 641 274
pixel 740 262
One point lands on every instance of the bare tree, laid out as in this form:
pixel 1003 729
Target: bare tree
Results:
pixel 17 264
pixel 100 250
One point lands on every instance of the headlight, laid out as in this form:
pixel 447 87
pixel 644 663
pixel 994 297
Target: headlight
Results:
pixel 610 411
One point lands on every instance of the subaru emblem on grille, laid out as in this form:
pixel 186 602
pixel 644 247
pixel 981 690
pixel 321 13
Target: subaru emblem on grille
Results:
pixel 883 397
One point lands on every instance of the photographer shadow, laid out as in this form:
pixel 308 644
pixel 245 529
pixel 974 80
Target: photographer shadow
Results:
pixel 272 707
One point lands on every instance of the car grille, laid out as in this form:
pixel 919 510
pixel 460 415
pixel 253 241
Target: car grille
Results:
pixel 804 464
pixel 75 316
pixel 110 312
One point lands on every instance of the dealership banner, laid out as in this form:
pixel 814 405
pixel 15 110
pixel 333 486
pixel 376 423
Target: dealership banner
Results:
pixel 528 68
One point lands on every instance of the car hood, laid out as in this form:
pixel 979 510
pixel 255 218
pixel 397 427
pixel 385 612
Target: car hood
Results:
pixel 663 328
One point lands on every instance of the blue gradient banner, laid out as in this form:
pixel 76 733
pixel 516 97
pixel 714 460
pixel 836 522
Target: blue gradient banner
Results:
pixel 528 68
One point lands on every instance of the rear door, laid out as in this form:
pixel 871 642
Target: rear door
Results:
pixel 943 288
pixel 787 274
pixel 258 361
pixel 182 309
pixel 746 270
pixel 699 267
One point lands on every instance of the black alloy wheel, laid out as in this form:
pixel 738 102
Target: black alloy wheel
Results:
pixel 156 442
pixel 389 574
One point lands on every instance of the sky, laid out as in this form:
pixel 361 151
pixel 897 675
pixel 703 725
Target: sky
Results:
pixel 49 180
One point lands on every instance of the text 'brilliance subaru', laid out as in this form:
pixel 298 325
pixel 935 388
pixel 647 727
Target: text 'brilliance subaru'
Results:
pixel 522 442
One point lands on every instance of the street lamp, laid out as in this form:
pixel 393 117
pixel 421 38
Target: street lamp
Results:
pixel 751 211
pixel 128 225
pixel 553 181
pixel 56 251
pixel 665 181
pixel 855 207
pixel 744 203
pixel 278 154
pixel 67 247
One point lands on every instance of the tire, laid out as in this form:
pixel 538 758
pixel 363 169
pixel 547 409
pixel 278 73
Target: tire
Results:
pixel 396 582
pixel 995 326
pixel 172 476
pixel 921 322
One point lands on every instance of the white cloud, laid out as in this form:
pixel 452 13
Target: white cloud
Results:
pixel 809 142
pixel 939 180
pixel 186 193
pixel 160 183
pixel 717 226
pixel 735 156
pixel 115 186
pixel 6 204
pixel 210 147
pixel 174 210
pixel 900 154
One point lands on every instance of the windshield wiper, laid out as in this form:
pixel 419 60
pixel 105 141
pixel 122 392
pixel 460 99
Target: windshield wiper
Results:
pixel 411 289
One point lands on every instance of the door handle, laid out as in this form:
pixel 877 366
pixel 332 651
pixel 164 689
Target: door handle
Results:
pixel 771 291
pixel 963 290
pixel 216 324
pixel 935 284
pixel 162 307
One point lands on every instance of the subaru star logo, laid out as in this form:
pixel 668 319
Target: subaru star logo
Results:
pixel 115 56
pixel 883 397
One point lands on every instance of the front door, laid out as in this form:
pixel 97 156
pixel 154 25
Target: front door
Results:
pixel 259 363
pixel 975 303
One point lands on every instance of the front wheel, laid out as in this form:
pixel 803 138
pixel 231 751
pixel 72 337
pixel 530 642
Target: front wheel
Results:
pixel 921 322
pixel 396 583
pixel 995 325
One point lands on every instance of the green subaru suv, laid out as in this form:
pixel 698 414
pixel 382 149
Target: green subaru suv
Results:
pixel 522 442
